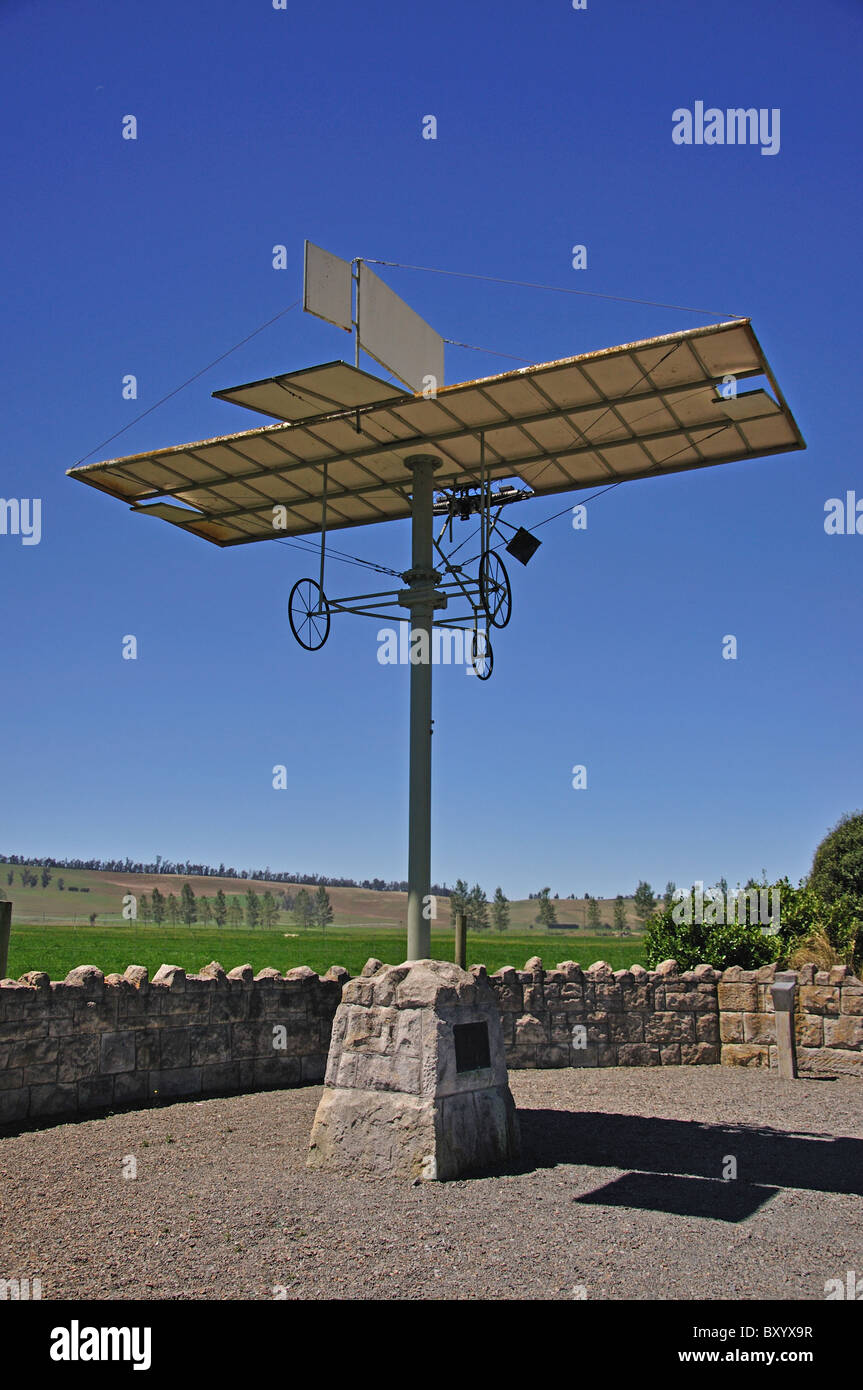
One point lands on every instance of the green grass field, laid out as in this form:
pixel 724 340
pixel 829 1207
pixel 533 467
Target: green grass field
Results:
pixel 51 930
pixel 57 949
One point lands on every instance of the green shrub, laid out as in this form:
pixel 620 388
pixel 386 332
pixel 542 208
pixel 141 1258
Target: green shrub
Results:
pixel 837 868
pixel 804 912
pixel 716 944
pixel 803 915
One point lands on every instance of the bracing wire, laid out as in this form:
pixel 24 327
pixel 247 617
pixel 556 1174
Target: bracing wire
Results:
pixel 189 380
pixel 556 289
pixel 342 556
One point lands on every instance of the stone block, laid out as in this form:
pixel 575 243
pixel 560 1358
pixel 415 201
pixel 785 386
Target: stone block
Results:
pixel 95 1093
pixel 251 1040
pixel 667 967
pixel 809 1030
pixel 668 1027
pixel 34 1052
pixel 14 1105
pixel 220 1076
pixel 170 977
pixel 337 974
pixel 846 1031
pixel 209 1043
pixel 572 998
pixel 638 996
pixel 230 1005
pixel 707 1028
pixel 88 978
pixel 851 999
pixel 699 1054
pixel 92 1016
pixel 417 1086
pixel 53 1100
pixel 179 1081
pixel 830 1061
pixel 626 1028
pixel 759 1028
pixel 670 1056
pixel 131 1087
pixel 175 1049
pixel 731 1027
pixel 742 997
pixel 116 1052
pixel 244 974
pixel 508 990
pixel 15 1030
pixel 638 1055
pixel 39 980
pixel 744 1055
pixel 560 1028
pixel 408 1137
pixel 148 1051
pixel 530 1031
pixel 40 1074
pixel 181 1008
pixel 534 999
pixel 819 999
pixel 277 1072
pixel 136 1006
pixel 596 1024
pixel 608 996
pixel 78 1058
pixel 552 986
pixel 519 1058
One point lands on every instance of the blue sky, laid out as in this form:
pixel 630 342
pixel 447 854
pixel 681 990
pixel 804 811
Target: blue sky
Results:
pixel 259 127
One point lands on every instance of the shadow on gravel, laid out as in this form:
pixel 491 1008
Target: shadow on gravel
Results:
pixel 684 1149
pixel 710 1197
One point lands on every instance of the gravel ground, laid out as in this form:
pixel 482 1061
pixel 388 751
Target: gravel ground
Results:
pixel 619 1192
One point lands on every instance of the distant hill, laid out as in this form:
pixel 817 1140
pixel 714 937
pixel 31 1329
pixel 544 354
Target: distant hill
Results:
pixel 86 891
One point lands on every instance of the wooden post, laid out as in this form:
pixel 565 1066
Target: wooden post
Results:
pixel 782 992
pixel 5 932
pixel 460 940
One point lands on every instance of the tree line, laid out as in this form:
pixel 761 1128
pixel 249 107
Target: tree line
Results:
pixel 190 870
pixel 253 910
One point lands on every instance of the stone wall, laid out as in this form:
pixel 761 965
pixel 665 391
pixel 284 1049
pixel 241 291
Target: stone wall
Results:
pixel 828 1022
pixel 94 1042
pixel 571 1017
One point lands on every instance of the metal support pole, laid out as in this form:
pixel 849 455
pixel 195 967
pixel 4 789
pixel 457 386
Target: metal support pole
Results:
pixel 420 599
pixel 460 940
pixel 323 525
pixel 5 933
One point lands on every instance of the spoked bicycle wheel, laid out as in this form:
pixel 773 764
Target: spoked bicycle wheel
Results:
pixel 494 591
pixel 309 614
pixel 481 654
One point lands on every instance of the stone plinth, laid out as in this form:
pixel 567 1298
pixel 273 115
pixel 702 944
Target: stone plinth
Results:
pixel 416 1081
